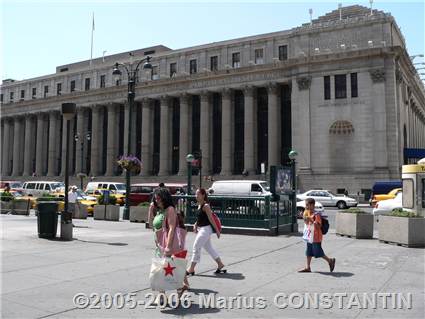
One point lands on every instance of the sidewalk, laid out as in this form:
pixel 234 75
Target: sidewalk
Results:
pixel 40 277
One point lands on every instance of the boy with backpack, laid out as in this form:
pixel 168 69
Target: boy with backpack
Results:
pixel 314 228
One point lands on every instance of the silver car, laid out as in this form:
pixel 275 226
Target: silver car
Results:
pixel 327 198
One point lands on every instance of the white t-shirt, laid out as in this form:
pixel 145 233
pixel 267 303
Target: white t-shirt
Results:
pixel 72 197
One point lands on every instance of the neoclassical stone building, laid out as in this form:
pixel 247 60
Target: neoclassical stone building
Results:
pixel 342 92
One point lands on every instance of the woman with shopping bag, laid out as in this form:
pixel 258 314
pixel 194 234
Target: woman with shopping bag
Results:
pixel 168 271
pixel 205 226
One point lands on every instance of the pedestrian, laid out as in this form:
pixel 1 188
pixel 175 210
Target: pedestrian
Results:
pixel 313 236
pixel 171 221
pixel 204 228
pixel 72 199
pixel 153 208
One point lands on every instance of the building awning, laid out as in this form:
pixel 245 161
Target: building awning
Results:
pixel 414 153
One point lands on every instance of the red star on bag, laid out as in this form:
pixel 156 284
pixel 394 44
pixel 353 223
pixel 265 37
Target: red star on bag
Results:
pixel 169 270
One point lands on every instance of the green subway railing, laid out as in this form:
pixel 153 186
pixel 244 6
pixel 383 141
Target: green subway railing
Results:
pixel 242 212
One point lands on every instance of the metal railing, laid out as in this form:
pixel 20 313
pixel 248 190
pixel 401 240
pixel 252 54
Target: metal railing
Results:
pixel 241 212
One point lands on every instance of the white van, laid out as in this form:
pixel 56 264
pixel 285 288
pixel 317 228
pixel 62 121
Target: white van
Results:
pixel 38 188
pixel 240 188
pixel 117 188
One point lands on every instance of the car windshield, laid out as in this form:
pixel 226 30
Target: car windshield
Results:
pixel 53 186
pixel 120 187
pixel 16 185
pixel 265 185
pixel 330 193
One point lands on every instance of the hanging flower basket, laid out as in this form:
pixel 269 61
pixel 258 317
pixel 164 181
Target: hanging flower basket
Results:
pixel 130 163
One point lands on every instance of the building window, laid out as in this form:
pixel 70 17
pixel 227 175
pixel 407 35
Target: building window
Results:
pixel 173 69
pixel 354 90
pixel 154 74
pixel 259 53
pixel 11 97
pixel 34 93
pixel 87 84
pixel 46 90
pixel 1 98
pixel 327 87
pixel 283 52
pixel 118 82
pixel 72 85
pixel 236 60
pixel 341 86
pixel 102 81
pixel 193 67
pixel 59 89
pixel 22 94
pixel 214 63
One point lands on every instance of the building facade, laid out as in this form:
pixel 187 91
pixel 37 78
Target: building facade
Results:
pixel 342 92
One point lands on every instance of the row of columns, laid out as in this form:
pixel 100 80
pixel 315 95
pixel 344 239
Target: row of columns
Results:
pixel 38 136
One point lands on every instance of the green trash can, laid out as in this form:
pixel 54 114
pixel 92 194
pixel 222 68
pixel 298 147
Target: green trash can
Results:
pixel 47 219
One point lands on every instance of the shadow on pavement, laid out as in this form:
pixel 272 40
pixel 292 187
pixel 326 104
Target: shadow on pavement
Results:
pixel 202 291
pixel 335 274
pixel 194 309
pixel 233 276
pixel 101 242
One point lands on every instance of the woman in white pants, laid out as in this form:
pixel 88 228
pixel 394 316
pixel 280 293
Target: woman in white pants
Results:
pixel 204 227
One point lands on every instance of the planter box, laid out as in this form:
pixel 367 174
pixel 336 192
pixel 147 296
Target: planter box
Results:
pixel 113 212
pixel 354 225
pixel 406 231
pixel 99 212
pixel 21 207
pixel 6 207
pixel 139 214
pixel 80 212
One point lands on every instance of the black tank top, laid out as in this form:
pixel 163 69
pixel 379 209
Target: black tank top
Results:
pixel 202 217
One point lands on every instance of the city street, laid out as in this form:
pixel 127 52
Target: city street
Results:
pixel 41 277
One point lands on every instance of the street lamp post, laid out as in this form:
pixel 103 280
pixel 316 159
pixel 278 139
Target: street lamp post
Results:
pixel 82 171
pixel 68 112
pixel 132 77
pixel 292 156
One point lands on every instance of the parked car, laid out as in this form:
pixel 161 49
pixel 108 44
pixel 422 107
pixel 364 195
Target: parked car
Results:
pixel 240 188
pixel 116 188
pixel 377 198
pixel 37 188
pixel 327 198
pixel 142 192
pixel 301 207
pixel 98 192
pixel 388 205
pixel 14 185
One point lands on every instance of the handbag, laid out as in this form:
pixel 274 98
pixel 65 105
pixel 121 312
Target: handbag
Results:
pixel 179 239
pixel 167 273
pixel 217 222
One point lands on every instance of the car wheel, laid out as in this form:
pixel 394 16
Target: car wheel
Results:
pixel 300 212
pixel 341 205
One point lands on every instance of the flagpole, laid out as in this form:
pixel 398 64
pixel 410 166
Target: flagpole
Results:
pixel 92 31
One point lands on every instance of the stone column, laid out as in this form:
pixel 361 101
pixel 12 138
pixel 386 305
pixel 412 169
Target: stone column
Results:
pixel 52 169
pixel 17 146
pixel 184 133
pixel 249 130
pixel 205 136
pixel 164 153
pixel 7 150
pixel 40 145
pixel 96 141
pixel 29 144
pixel 226 134
pixel 81 114
pixel 273 134
pixel 147 126
pixel 112 138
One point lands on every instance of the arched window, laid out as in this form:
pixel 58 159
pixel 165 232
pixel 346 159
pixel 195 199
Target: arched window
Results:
pixel 341 128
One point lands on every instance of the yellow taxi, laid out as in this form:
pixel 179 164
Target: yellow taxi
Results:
pixel 377 198
pixel 83 198
pixel 98 192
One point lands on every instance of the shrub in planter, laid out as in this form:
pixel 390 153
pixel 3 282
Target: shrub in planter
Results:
pixel 354 222
pixel 402 227
pixel 6 197
pixel 112 200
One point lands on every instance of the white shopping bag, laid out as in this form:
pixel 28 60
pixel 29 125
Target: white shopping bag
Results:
pixel 308 233
pixel 167 273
